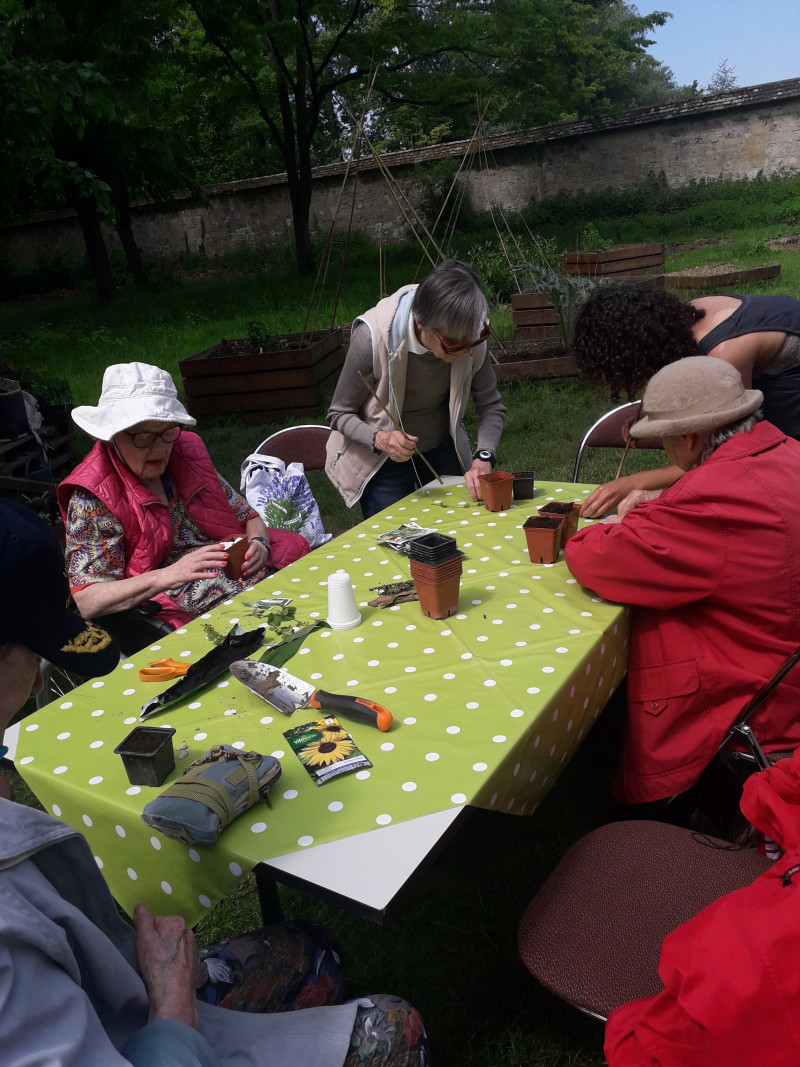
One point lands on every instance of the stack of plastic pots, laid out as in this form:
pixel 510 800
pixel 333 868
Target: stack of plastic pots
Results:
pixel 435 565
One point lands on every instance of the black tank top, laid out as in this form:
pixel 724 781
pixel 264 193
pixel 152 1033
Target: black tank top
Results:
pixel 759 314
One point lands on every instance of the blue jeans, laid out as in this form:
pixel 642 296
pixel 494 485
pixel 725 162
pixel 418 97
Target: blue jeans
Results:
pixel 396 480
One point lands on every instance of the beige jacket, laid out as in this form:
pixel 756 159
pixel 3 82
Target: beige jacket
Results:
pixel 351 464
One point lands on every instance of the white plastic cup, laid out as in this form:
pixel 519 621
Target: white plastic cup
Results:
pixel 343 613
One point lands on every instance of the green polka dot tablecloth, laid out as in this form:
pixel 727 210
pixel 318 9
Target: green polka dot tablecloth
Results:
pixel 488 705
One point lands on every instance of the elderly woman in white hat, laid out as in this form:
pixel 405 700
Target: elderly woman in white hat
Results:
pixel 146 513
pixel 711 567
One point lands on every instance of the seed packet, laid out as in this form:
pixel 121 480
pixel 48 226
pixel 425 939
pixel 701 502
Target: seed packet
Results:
pixel 325 749
pixel 401 538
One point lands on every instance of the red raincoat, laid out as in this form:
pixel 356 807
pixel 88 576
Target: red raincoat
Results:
pixel 731 977
pixel 712 568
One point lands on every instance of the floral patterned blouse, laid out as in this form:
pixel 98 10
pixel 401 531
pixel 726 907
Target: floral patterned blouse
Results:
pixel 96 548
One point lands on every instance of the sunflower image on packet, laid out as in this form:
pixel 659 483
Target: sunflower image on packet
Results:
pixel 325 749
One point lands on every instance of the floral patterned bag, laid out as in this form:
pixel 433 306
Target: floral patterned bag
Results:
pixel 282 497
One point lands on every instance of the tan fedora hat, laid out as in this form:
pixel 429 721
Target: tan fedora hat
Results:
pixel 693 395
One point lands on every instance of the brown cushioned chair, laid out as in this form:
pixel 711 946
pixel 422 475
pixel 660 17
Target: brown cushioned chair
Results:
pixel 593 933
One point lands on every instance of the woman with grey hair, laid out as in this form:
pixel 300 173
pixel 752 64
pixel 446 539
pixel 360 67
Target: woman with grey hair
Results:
pixel 423 351
pixel 711 567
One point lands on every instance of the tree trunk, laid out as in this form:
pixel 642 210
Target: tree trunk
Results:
pixel 96 248
pixel 122 208
pixel 301 206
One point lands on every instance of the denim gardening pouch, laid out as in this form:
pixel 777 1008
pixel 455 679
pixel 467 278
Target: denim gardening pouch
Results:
pixel 210 793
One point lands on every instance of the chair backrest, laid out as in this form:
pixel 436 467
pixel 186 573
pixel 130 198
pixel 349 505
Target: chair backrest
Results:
pixel 607 432
pixel 741 731
pixel 593 933
pixel 299 444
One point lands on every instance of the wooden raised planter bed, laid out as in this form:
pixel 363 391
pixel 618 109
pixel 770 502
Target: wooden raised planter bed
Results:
pixel 710 278
pixel 532 359
pixel 289 380
pixel 533 317
pixel 616 263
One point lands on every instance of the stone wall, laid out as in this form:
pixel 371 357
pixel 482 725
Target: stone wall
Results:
pixel 737 134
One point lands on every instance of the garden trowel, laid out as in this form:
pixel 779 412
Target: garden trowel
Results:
pixel 286 694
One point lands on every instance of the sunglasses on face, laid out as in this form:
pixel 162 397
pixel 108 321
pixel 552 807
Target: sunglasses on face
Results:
pixel 145 439
pixel 449 346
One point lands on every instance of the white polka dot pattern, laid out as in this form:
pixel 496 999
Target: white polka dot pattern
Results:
pixel 488 705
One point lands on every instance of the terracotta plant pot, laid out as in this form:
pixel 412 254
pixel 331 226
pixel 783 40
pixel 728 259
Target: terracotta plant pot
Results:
pixel 543 534
pixel 438 600
pixel 567 512
pixel 496 488
pixel 524 485
pixel 147 754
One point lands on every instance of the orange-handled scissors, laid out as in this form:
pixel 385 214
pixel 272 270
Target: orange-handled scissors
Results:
pixel 162 669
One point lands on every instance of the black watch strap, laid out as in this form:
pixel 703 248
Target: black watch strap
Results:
pixel 486 456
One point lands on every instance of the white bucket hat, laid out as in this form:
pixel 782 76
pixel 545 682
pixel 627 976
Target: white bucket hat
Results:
pixel 132 393
pixel 693 395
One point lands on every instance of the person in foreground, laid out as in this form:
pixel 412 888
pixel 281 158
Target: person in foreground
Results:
pixel 424 352
pixel 81 988
pixel 712 569
pixel 731 987
pixel 145 512
pixel 625 333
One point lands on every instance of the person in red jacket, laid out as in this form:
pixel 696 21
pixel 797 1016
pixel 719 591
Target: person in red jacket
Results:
pixel 711 567
pixel 146 513
pixel 731 981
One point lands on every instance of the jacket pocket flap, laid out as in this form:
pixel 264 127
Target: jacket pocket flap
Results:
pixel 679 678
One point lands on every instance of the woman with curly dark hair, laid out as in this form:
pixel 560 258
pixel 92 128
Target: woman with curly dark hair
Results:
pixel 625 333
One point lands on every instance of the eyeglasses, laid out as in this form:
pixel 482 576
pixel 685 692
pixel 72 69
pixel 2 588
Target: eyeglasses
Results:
pixel 449 347
pixel 144 439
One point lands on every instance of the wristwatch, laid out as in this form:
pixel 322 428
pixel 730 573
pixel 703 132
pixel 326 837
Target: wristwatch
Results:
pixel 485 456
pixel 265 543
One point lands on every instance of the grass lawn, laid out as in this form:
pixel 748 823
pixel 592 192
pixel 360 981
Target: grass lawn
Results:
pixel 450 945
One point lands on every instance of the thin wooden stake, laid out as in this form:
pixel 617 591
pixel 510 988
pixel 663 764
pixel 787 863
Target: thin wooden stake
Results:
pixel 624 454
pixel 397 426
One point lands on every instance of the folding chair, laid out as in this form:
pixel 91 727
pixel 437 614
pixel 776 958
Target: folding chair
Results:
pixel 593 933
pixel 712 803
pixel 299 444
pixel 607 432
pixel 741 730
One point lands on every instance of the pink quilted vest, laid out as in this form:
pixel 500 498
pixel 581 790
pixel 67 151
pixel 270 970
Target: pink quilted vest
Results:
pixel 144 519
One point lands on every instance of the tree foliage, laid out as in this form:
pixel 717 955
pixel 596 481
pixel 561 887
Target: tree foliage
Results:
pixel 93 64
pixel 39 101
pixel 158 93
pixel 723 78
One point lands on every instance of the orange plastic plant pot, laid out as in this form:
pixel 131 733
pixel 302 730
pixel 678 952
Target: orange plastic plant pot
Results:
pixel 543 534
pixel 496 489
